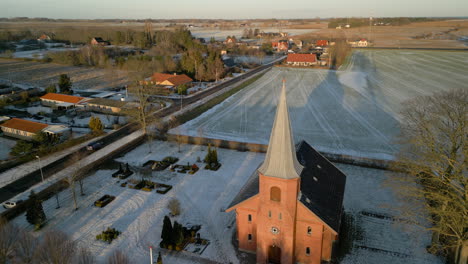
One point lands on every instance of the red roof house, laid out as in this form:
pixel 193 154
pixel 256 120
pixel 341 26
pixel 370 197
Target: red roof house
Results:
pixel 62 100
pixel 170 79
pixel 23 129
pixel 301 59
pixel 322 43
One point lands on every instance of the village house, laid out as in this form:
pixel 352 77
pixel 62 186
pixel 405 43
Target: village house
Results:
pixel 281 45
pixel 44 38
pixel 99 41
pixel 290 211
pixel 362 43
pixel 26 129
pixel 321 43
pixel 105 105
pixel 230 40
pixel 62 101
pixel 301 59
pixel 171 80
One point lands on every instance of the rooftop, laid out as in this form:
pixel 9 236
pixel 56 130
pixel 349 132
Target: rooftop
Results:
pixel 24 125
pixel 63 98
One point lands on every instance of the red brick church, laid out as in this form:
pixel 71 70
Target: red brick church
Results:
pixel 290 212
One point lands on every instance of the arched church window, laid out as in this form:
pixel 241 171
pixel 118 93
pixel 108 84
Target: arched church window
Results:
pixel 249 218
pixel 309 230
pixel 275 194
pixel 307 251
pixel 250 237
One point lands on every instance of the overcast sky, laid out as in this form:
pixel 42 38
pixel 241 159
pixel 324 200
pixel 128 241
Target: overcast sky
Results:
pixel 229 9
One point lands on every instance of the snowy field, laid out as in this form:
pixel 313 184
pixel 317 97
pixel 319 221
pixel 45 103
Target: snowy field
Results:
pixel 220 34
pixel 203 196
pixel 351 111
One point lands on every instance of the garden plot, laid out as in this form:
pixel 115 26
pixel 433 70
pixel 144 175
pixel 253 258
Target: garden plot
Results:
pixel 203 197
pixel 352 111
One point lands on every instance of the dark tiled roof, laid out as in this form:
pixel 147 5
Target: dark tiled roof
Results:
pixel 250 189
pixel 323 197
pixel 322 185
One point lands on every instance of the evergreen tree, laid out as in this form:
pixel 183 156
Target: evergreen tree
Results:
pixel 65 84
pixel 159 261
pixel 214 156
pixel 51 89
pixel 208 155
pixel 35 213
pixel 166 233
pixel 177 234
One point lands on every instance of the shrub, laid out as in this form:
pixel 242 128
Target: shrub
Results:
pixel 108 235
pixel 174 206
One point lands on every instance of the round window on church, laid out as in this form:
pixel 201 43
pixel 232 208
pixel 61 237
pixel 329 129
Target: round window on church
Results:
pixel 275 230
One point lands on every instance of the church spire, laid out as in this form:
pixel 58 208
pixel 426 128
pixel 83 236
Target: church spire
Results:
pixel 280 160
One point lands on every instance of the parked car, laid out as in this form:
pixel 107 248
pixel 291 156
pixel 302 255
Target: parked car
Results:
pixel 94 146
pixel 104 200
pixel 9 204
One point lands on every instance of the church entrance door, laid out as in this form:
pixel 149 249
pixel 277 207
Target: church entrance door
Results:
pixel 274 255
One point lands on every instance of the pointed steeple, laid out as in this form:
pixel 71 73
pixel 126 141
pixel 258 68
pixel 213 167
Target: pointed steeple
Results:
pixel 280 160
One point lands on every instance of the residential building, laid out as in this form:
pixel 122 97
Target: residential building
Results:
pixel 44 37
pixel 99 41
pixel 105 105
pixel 62 101
pixel 301 59
pixel 362 43
pixel 290 211
pixel 172 80
pixel 281 45
pixel 321 43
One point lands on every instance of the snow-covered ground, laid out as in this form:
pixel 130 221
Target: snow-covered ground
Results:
pixel 39 53
pixel 220 34
pixel 107 120
pixel 5 147
pixel 203 196
pixel 351 111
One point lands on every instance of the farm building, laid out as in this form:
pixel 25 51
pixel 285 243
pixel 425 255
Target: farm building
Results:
pixel 62 101
pixel 290 212
pixel 99 41
pixel 301 59
pixel 25 129
pixel 44 37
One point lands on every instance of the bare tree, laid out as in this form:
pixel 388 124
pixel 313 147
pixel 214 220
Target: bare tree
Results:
pixel 25 248
pixel 142 113
pixel 55 248
pixel 118 257
pixel 84 256
pixel 434 158
pixel 75 176
pixel 8 239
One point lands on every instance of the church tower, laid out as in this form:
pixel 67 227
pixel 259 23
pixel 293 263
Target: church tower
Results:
pixel 279 185
pixel 290 212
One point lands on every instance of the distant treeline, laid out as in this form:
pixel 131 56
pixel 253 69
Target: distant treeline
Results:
pixel 117 20
pixel 394 21
pixel 199 61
